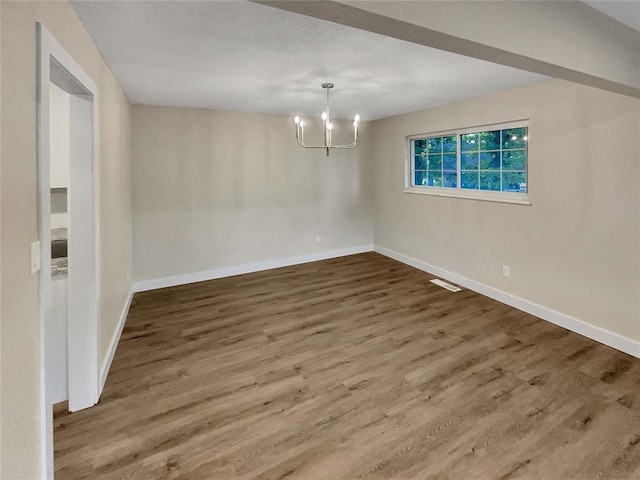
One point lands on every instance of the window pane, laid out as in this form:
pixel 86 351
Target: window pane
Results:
pixel 435 145
pixel 420 178
pixel 514 160
pixel 435 179
pixel 469 142
pixel 494 160
pixel 514 138
pixel 419 146
pixel 419 163
pixel 489 140
pixel 449 144
pixel 489 160
pixel 450 180
pixel 469 161
pixel 514 182
pixel 489 180
pixel 469 180
pixel 449 161
pixel 435 162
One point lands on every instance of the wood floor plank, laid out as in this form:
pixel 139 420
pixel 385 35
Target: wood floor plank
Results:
pixel 351 368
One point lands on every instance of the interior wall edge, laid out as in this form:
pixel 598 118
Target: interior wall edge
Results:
pixel 115 340
pixel 601 335
pixel 21 433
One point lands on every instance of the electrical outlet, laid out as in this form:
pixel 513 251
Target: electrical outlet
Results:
pixel 506 271
pixel 317 238
pixel 35 257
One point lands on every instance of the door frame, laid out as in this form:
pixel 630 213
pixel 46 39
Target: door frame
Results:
pixel 83 346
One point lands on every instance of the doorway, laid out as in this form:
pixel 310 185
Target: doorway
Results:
pixel 68 208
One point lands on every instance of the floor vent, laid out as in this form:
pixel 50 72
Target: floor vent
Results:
pixel 446 285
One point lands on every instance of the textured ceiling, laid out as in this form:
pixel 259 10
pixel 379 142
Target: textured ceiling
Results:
pixel 237 55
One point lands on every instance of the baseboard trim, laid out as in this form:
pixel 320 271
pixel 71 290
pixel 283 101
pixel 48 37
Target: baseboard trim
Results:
pixel 153 284
pixel 593 332
pixel 106 365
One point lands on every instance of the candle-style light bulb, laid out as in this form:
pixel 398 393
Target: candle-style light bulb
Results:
pixel 327 127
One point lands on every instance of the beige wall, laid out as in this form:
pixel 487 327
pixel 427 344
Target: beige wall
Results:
pixel 1 382
pixel 576 249
pixel 568 34
pixel 19 351
pixel 215 189
pixel 560 39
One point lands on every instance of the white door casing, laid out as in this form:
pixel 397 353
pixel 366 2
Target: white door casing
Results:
pixel 55 64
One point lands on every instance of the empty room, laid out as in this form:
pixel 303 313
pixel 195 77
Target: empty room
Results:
pixel 321 239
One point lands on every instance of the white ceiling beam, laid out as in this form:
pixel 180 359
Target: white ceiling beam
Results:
pixel 563 39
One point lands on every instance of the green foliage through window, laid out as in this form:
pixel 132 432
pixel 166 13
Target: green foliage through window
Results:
pixel 435 162
pixel 491 160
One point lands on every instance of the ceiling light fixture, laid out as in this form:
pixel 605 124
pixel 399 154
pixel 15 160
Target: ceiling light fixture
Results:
pixel 327 128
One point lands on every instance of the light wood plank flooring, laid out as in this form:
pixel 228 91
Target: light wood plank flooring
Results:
pixel 351 368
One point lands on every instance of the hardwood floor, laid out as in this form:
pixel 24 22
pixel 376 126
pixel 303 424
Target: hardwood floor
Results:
pixel 351 368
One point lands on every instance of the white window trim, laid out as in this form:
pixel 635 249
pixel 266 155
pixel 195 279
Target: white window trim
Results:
pixel 482 195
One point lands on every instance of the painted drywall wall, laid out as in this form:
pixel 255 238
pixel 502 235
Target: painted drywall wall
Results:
pixel 59 148
pixel 56 354
pixel 576 249
pixel 568 34
pixel 215 189
pixel 20 434
pixel 1 381
pixel 59 133
pixel 559 39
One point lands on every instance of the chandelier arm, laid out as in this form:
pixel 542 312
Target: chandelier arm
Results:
pixel 352 144
pixel 327 128
pixel 298 139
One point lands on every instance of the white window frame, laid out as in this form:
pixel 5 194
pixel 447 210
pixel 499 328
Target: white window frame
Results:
pixel 519 198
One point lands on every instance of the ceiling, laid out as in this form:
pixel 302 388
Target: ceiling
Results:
pixel 237 55
pixel 627 11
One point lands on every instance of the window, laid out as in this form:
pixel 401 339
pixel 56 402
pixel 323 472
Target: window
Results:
pixel 480 162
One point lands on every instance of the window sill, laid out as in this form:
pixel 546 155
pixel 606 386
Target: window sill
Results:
pixel 520 199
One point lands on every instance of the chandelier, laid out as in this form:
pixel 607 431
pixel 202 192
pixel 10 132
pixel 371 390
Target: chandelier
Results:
pixel 327 128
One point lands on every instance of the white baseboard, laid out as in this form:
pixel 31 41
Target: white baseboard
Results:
pixel 614 340
pixel 144 285
pixel 106 365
